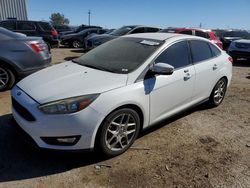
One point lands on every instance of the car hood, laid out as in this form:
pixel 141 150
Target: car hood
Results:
pixel 68 80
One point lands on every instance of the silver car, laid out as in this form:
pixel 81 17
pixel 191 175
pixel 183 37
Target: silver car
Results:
pixel 106 97
pixel 20 56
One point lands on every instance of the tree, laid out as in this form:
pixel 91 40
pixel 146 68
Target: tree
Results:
pixel 58 19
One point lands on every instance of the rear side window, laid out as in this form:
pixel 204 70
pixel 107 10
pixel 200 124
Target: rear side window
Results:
pixel 215 50
pixel 8 25
pixel 176 55
pixel 151 30
pixel 200 50
pixel 187 32
pixel 25 26
pixel 138 30
pixel 202 34
pixel 45 26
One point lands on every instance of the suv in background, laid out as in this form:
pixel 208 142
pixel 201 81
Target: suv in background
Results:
pixel 205 33
pixel 239 49
pixel 33 28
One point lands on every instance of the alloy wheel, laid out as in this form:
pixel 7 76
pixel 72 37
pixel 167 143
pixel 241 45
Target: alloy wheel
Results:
pixel 4 77
pixel 219 91
pixel 120 132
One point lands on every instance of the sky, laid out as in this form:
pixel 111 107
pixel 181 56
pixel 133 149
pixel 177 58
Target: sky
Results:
pixel 214 14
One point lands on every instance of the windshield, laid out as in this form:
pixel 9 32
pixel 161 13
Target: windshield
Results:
pixel 122 31
pixel 122 55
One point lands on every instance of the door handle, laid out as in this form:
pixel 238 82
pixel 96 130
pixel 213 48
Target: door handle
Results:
pixel 186 71
pixel 215 67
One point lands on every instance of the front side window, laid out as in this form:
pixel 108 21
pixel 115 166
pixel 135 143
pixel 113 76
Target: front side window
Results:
pixel 25 26
pixel 122 55
pixel 200 50
pixel 176 55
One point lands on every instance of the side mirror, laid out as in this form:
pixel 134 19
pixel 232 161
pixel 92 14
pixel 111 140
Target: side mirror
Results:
pixel 162 69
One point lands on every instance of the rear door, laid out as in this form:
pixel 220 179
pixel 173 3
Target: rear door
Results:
pixel 206 67
pixel 171 93
pixel 28 28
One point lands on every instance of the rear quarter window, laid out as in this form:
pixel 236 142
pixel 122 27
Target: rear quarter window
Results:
pixel 200 51
pixel 45 26
pixel 215 51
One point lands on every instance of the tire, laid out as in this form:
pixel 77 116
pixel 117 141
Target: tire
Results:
pixel 76 44
pixel 7 78
pixel 218 93
pixel 115 136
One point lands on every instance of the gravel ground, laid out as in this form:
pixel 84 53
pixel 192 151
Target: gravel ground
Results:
pixel 199 148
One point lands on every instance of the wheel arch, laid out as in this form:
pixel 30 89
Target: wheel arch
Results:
pixel 131 106
pixel 9 65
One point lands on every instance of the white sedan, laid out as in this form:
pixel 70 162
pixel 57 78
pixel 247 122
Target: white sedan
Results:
pixel 107 96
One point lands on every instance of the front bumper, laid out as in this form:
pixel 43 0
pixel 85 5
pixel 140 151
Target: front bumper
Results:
pixel 84 123
pixel 239 54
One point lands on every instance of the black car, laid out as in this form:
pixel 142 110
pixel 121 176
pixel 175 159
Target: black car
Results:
pixel 62 28
pixel 76 40
pixel 125 30
pixel 33 28
pixel 20 56
pixel 79 29
pixel 227 37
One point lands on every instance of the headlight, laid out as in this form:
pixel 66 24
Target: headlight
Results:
pixel 69 105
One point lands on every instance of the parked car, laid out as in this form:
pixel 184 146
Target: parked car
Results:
pixel 240 49
pixel 205 33
pixel 20 56
pixel 125 30
pixel 62 28
pixel 76 40
pixel 33 28
pixel 104 99
pixel 228 36
pixel 79 29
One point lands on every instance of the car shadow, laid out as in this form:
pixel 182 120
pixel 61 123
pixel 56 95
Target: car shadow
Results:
pixel 70 58
pixel 20 159
pixel 79 51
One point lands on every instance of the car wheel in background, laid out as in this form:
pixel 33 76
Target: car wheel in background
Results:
pixel 218 92
pixel 118 132
pixel 76 44
pixel 7 78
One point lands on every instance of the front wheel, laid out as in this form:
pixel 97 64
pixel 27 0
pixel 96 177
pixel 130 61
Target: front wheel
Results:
pixel 218 93
pixel 118 132
pixel 76 44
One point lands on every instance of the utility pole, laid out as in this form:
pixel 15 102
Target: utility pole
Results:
pixel 89 13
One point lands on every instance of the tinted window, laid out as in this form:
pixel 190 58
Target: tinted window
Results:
pixel 122 31
pixel 45 26
pixel 215 50
pixel 200 50
pixel 121 55
pixel 8 25
pixel 176 55
pixel 25 26
pixel 201 34
pixel 151 29
pixel 138 30
pixel 188 32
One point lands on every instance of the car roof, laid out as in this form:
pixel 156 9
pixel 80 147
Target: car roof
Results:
pixel 160 36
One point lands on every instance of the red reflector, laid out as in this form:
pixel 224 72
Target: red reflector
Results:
pixel 230 59
pixel 54 32
pixel 38 46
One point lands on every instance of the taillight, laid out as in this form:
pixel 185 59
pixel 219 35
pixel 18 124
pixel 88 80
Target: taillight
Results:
pixel 38 46
pixel 54 33
pixel 230 59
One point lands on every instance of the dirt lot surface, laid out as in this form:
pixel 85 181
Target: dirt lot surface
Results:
pixel 200 148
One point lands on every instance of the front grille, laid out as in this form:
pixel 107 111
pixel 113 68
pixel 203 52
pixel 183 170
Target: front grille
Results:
pixel 22 111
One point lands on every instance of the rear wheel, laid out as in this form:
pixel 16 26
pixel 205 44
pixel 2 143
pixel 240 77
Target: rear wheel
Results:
pixel 7 78
pixel 218 92
pixel 76 44
pixel 118 132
